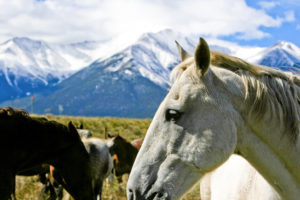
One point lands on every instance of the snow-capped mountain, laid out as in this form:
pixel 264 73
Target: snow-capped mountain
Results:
pixel 24 57
pixel 28 66
pixel 129 79
pixel 281 54
pixel 154 55
pixel 130 83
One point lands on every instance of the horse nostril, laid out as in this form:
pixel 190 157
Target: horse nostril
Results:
pixel 156 195
pixel 160 195
pixel 130 194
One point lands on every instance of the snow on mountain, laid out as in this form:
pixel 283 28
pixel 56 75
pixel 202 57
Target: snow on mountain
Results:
pixel 155 54
pixel 279 55
pixel 81 54
pixel 129 83
pixel 28 65
pixel 23 57
pixel 122 77
pixel 152 57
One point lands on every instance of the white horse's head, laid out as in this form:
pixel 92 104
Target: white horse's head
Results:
pixel 192 132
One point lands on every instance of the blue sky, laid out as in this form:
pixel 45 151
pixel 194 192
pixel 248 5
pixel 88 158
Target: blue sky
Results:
pixel 246 22
pixel 288 31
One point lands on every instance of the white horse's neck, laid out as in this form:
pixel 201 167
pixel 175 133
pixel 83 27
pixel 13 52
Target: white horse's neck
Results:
pixel 266 145
pixel 280 169
pixel 264 142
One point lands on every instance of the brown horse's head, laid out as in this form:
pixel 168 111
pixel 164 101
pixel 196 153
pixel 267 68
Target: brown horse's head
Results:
pixel 124 154
pixel 74 168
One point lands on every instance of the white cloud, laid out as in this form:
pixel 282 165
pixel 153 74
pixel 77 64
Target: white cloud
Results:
pixel 298 27
pixel 76 20
pixel 289 16
pixel 268 5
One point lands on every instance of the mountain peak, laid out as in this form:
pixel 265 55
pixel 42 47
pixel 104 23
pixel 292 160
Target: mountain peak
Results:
pixel 21 39
pixel 28 44
pixel 281 54
pixel 285 45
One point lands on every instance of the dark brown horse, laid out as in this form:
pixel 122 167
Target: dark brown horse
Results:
pixel 27 142
pixel 124 154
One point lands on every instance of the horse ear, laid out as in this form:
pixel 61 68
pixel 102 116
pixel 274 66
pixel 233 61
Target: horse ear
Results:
pixel 202 56
pixel 183 53
pixel 72 129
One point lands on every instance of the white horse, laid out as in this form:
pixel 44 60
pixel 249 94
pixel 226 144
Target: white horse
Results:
pixel 216 106
pixel 101 162
pixel 236 179
pixel 84 133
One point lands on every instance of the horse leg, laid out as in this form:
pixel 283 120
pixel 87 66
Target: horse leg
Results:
pixel 48 192
pixel 13 195
pixel 98 189
pixel 59 192
pixel 7 185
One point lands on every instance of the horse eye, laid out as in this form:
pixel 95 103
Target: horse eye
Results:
pixel 173 115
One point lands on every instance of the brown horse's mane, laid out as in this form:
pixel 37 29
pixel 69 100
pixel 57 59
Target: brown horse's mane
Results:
pixel 9 112
pixel 51 128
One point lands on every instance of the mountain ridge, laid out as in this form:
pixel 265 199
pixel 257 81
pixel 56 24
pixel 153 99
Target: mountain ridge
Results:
pixel 132 81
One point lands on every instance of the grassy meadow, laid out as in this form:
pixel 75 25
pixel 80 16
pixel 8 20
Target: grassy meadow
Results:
pixel 28 188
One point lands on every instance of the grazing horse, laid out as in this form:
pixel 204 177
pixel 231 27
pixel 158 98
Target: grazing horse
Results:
pixel 101 162
pixel 236 179
pixel 101 165
pixel 27 142
pixel 219 105
pixel 124 154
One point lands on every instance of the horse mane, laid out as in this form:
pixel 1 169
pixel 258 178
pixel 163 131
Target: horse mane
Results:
pixel 22 115
pixel 263 86
pixel 9 112
pixel 235 64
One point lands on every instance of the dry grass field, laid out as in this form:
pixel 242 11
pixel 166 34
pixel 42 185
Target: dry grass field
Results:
pixel 28 188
